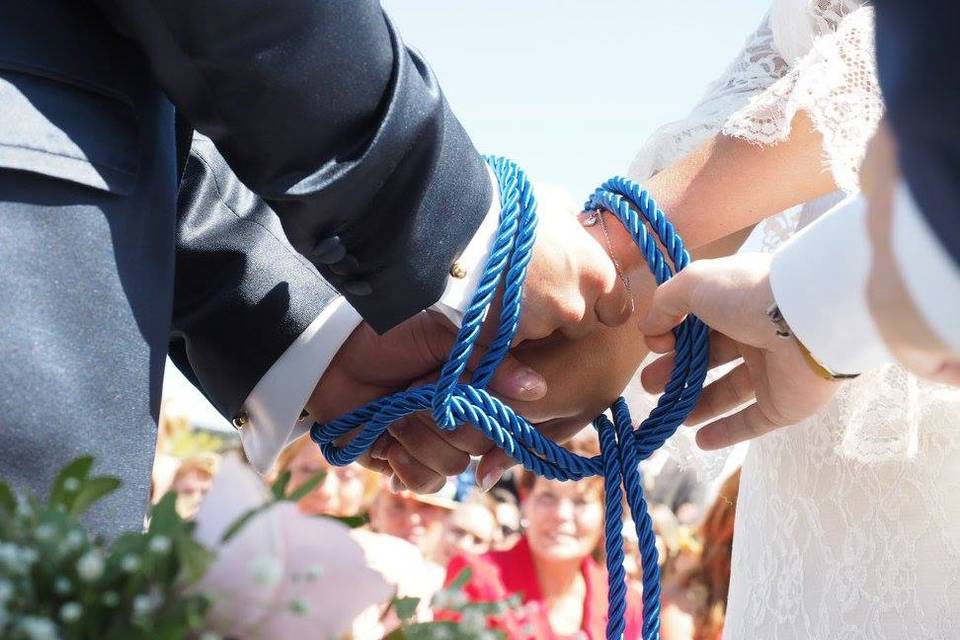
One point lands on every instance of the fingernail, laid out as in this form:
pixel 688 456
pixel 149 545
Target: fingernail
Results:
pixel 396 484
pixel 532 384
pixel 490 479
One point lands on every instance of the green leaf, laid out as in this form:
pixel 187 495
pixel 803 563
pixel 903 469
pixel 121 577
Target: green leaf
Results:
pixel 91 491
pixel 163 515
pixel 354 522
pixel 312 483
pixel 461 580
pixel 239 523
pixel 75 472
pixel 406 608
pixel 279 486
pixel 8 501
pixel 194 559
pixel 432 631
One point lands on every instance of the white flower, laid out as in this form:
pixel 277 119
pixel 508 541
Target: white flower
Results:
pixel 90 566
pixel 16 559
pixel 209 635
pixel 6 591
pixel 130 563
pixel 299 607
pixel 266 571
pixel 143 605
pixel 34 628
pixel 71 612
pixel 71 484
pixel 62 585
pixel 473 621
pixel 73 541
pixel 4 618
pixel 160 544
pixel 442 633
pixel 110 598
pixel 45 532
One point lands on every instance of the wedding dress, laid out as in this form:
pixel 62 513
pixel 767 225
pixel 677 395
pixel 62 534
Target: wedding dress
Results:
pixel 848 525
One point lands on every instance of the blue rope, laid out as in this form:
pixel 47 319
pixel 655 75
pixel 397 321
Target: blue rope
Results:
pixel 452 403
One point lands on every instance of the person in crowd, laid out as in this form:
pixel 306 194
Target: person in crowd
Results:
pixel 416 518
pixel 552 568
pixel 344 492
pixel 192 481
pixel 506 511
pixel 696 585
pixel 470 529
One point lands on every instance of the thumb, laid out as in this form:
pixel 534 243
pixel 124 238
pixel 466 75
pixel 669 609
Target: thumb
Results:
pixel 514 380
pixel 671 303
pixel 613 308
pixel 492 467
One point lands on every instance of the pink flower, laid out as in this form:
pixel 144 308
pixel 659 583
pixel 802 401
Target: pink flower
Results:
pixel 284 574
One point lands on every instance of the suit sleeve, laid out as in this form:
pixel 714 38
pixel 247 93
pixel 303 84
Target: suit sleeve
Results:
pixel 242 295
pixel 320 108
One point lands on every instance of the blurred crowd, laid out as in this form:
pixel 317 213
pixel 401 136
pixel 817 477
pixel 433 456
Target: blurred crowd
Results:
pixel 537 539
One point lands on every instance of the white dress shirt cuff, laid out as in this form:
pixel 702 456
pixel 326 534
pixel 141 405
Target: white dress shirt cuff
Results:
pixel 819 280
pixel 469 267
pixel 930 275
pixel 273 407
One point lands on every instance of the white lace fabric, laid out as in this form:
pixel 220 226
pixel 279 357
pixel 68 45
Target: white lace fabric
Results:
pixel 848 525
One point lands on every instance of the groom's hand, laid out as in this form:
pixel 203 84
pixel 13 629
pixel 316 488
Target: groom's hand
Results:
pixel 572 284
pixel 732 295
pixel 369 366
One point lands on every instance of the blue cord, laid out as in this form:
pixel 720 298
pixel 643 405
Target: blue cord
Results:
pixel 452 403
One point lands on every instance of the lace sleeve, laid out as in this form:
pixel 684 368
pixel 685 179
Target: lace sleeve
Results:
pixel 758 66
pixel 834 82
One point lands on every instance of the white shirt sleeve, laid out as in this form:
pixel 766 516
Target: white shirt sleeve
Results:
pixel 272 410
pixel 819 281
pixel 930 275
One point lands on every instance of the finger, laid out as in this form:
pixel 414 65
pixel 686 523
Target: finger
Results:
pixel 654 376
pixel 614 307
pixel 374 464
pixel 516 381
pixel 424 445
pixel 720 396
pixel 743 425
pixel 671 303
pixel 492 467
pixel 663 343
pixel 413 475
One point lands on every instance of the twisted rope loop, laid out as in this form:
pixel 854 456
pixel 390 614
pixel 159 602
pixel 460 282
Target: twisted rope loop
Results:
pixel 452 403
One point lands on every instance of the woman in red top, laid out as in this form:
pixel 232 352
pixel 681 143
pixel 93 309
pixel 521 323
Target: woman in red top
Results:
pixel 563 589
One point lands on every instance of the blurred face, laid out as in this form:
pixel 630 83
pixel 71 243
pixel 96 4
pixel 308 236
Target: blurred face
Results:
pixel 469 530
pixel 340 493
pixel 403 516
pixel 191 486
pixel 565 520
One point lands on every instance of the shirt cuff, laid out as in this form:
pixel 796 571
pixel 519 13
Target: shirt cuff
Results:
pixel 274 406
pixel 819 281
pixel 468 269
pixel 929 273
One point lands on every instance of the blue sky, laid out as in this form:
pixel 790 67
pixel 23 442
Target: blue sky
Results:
pixel 571 88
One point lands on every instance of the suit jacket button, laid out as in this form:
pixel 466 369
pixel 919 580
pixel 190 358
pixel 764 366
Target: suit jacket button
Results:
pixel 329 250
pixel 239 421
pixel 358 288
pixel 346 266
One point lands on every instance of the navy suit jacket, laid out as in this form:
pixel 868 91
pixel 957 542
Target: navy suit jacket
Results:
pixel 918 49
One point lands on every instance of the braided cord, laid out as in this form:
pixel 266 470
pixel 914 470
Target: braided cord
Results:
pixel 452 403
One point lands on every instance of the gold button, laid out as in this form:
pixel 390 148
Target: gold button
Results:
pixel 457 271
pixel 240 421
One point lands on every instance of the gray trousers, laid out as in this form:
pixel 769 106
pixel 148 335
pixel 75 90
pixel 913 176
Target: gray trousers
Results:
pixel 86 287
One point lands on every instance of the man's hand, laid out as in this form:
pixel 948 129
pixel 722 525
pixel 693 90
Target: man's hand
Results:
pixel 571 284
pixel 732 295
pixel 369 366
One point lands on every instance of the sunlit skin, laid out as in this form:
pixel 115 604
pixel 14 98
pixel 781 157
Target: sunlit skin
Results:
pixel 403 516
pixel 191 486
pixel 470 529
pixel 341 492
